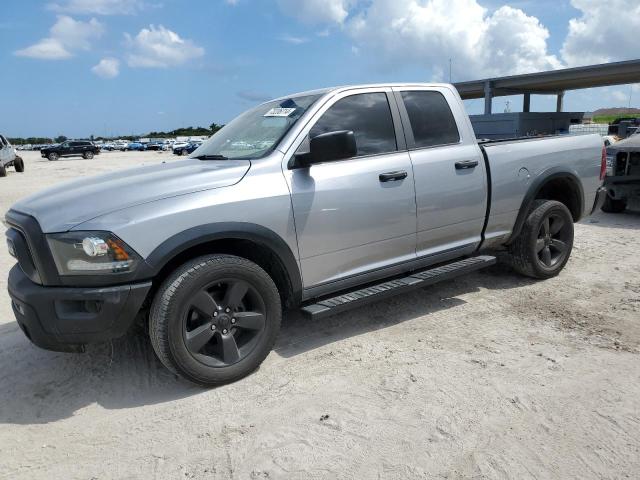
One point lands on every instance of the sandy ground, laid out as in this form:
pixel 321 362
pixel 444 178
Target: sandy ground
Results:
pixel 488 376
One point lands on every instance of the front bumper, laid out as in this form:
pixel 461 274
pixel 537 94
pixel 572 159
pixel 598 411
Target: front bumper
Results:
pixel 65 319
pixel 601 195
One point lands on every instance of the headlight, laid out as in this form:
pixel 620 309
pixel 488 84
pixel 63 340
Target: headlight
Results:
pixel 87 253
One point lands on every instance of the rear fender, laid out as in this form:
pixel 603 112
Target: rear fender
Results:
pixel 534 189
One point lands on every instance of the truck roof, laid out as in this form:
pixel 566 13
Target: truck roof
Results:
pixel 337 89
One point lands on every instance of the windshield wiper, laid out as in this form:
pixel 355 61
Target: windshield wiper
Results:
pixel 211 157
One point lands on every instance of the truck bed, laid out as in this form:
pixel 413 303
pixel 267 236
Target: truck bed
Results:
pixel 515 164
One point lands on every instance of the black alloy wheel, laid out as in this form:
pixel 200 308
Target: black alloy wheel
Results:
pixel 543 246
pixel 215 319
pixel 223 322
pixel 553 236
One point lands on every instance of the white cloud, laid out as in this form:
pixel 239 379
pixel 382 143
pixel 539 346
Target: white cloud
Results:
pixel 619 96
pixel 98 7
pixel 107 68
pixel 429 32
pixel 159 47
pixel 293 39
pixel 317 11
pixel 65 37
pixel 76 34
pixel 46 49
pixel 253 96
pixel 605 31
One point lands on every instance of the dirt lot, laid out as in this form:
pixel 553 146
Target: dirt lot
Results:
pixel 489 376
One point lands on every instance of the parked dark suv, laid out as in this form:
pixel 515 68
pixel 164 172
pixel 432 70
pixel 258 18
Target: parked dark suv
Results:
pixel 70 149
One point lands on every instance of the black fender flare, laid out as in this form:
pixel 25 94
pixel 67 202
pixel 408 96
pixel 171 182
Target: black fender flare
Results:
pixel 210 232
pixel 535 187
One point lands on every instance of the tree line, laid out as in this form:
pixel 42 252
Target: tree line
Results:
pixel 178 132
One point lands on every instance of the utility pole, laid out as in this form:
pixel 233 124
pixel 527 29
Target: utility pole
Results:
pixel 449 70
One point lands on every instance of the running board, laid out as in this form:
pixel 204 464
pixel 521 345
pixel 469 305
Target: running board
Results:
pixel 345 301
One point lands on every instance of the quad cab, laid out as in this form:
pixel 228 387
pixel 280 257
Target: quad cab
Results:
pixel 318 201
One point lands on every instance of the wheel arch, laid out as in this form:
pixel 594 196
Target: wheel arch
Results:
pixel 251 241
pixel 555 183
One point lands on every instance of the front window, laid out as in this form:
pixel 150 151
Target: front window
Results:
pixel 367 115
pixel 257 132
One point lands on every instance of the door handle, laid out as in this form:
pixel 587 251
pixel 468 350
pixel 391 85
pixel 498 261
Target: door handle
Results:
pixel 466 164
pixel 392 176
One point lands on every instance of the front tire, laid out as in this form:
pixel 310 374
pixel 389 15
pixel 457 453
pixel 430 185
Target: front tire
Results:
pixel 3 171
pixel 53 157
pixel 611 205
pixel 184 153
pixel 215 319
pixel 18 164
pixel 87 155
pixel 544 245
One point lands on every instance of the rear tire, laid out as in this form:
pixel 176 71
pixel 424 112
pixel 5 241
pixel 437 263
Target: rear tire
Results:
pixel 544 245
pixel 3 171
pixel 215 319
pixel 53 157
pixel 184 153
pixel 18 164
pixel 613 206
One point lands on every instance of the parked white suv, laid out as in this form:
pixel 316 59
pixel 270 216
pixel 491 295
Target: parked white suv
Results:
pixel 9 158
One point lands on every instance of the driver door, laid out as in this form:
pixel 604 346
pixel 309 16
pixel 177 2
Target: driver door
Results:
pixel 353 218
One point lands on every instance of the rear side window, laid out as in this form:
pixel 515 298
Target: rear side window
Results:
pixel 431 119
pixel 369 117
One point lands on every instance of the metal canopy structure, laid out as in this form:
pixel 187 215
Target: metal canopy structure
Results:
pixel 554 82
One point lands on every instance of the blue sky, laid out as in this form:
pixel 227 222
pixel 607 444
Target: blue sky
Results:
pixel 109 67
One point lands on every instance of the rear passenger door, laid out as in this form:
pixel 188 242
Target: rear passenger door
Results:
pixel 449 171
pixel 75 148
pixel 350 218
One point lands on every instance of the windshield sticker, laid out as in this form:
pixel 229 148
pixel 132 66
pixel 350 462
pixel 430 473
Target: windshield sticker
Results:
pixel 279 112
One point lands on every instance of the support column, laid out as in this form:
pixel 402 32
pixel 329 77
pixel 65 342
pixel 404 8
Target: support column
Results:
pixel 526 102
pixel 488 97
pixel 559 101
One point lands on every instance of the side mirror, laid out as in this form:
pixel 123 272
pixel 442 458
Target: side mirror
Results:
pixel 328 147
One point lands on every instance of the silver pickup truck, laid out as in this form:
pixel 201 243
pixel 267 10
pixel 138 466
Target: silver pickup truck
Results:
pixel 318 201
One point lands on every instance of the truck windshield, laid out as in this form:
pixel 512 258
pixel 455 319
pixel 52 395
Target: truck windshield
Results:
pixel 256 132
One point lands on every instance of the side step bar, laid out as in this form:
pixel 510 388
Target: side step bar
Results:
pixel 345 301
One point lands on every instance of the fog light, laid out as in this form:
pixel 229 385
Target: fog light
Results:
pixel 95 247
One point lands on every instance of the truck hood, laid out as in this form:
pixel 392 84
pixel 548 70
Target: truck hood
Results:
pixel 62 207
